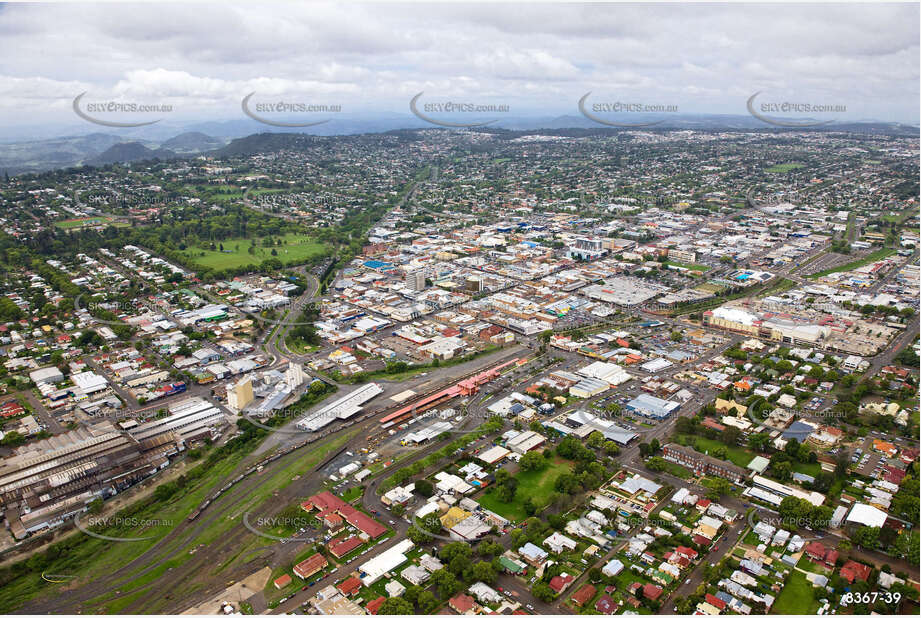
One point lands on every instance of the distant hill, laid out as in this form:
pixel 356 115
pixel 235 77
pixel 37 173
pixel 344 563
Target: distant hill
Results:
pixel 40 155
pixel 251 137
pixel 192 142
pixel 265 142
pixel 130 151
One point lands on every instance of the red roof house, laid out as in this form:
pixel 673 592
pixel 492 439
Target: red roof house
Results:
pixel 462 603
pixel 715 602
pixel 606 605
pixel 855 570
pixel 282 581
pixel 349 587
pixel 559 583
pixel 373 606
pixel 652 592
pixel 583 595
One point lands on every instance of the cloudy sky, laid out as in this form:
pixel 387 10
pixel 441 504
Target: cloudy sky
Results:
pixel 538 59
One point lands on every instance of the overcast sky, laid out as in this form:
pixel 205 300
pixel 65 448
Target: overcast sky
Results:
pixel 538 59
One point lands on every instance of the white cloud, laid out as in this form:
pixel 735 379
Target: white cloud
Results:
pixel 205 57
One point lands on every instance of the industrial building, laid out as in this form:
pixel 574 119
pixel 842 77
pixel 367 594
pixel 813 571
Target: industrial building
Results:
pixel 45 482
pixel 342 408
pixel 190 419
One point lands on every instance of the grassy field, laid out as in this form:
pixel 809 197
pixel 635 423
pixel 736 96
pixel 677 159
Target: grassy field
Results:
pixel 737 455
pixel 778 287
pixel 698 267
pixel 877 255
pixel 676 470
pixel 797 597
pixel 295 248
pixel 534 484
pixel 902 216
pixel 783 168
pixel 812 469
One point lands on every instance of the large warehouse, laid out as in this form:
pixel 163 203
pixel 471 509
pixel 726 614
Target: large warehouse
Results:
pixel 54 478
pixel 652 407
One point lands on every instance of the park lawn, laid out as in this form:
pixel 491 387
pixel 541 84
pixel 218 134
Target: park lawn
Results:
pixel 782 168
pixel 296 248
pixel 877 255
pixel 676 470
pixel 534 484
pixel 812 469
pixel 737 455
pixel 901 216
pixel 796 597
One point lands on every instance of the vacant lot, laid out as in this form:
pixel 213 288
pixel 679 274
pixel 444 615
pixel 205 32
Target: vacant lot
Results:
pixel 700 267
pixel 535 484
pixel 236 253
pixel 796 597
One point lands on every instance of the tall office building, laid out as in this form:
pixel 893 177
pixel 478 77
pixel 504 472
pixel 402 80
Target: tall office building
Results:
pixel 415 280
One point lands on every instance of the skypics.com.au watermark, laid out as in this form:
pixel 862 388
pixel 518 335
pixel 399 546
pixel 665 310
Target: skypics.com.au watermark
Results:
pixel 258 111
pixel 94 109
pixel 259 524
pixel 763 108
pixel 140 525
pixel 791 524
pixel 453 107
pixel 619 107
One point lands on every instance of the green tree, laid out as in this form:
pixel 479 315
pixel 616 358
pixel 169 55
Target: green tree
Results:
pixel 532 460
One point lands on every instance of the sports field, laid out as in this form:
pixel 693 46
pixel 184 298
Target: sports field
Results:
pixel 69 224
pixel 783 168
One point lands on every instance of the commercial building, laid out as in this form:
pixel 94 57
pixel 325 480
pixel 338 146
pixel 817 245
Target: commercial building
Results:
pixel 46 375
pixel 415 280
pixel 780 491
pixel 383 563
pixel 652 407
pixel 89 382
pixel 525 441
